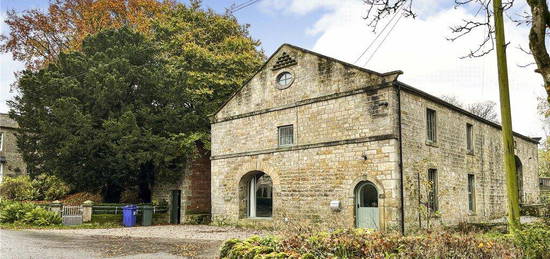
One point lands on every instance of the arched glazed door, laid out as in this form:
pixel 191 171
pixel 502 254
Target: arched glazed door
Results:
pixel 260 196
pixel 366 206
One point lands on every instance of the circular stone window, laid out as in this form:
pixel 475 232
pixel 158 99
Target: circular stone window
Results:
pixel 284 80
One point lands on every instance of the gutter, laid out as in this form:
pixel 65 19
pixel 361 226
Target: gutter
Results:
pixel 402 183
pixel 439 101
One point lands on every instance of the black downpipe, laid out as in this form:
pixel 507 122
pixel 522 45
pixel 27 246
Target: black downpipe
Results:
pixel 402 200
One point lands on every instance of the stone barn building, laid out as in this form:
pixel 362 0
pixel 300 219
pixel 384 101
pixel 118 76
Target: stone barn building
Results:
pixel 11 160
pixel 311 138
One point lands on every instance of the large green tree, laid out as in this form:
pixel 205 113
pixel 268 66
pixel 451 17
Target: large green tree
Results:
pixel 128 110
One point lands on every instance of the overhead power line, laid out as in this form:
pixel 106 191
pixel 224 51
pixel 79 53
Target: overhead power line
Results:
pixel 397 12
pixel 376 38
pixel 241 6
pixel 382 42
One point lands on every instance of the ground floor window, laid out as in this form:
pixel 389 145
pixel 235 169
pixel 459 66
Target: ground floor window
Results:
pixel 471 193
pixel 260 196
pixel 432 190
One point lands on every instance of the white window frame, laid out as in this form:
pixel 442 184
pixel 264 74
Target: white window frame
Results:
pixel 252 198
pixel 1 141
pixel 280 139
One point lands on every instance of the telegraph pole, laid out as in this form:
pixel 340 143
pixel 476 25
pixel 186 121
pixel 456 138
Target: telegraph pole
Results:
pixel 506 117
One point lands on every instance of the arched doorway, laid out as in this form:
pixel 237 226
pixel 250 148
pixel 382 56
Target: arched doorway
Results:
pixel 257 195
pixel 519 174
pixel 366 206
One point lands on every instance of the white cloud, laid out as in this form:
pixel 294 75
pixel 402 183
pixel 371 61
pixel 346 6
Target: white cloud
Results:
pixel 430 62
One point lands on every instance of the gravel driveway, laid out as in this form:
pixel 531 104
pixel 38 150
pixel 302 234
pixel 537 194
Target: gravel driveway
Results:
pixel 170 241
pixel 198 232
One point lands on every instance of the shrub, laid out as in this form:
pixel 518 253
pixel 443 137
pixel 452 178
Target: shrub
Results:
pixel 130 195
pixel 50 187
pixel 18 188
pixel 534 240
pixel 41 217
pixel 12 212
pixel 80 197
pixel 43 187
pixel 358 243
pixel 27 213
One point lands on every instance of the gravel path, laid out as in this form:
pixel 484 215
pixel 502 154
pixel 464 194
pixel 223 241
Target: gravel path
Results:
pixel 169 241
pixel 197 232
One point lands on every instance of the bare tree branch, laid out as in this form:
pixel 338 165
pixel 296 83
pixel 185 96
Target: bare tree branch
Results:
pixel 538 18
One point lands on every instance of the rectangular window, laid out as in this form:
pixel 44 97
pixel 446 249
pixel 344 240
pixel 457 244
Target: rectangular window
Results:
pixel 1 141
pixel 431 125
pixel 470 137
pixel 286 135
pixel 432 190
pixel 471 193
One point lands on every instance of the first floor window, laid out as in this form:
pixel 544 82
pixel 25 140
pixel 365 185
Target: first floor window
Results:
pixel 431 126
pixel 470 137
pixel 432 190
pixel 286 135
pixel 1 172
pixel 471 193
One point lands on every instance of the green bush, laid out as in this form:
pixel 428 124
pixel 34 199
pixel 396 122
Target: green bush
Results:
pixel 43 187
pixel 27 213
pixel 359 243
pixel 41 217
pixel 49 187
pixel 11 212
pixel 18 188
pixel 534 241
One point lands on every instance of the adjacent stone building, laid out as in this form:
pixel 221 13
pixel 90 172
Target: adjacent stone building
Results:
pixel 11 161
pixel 188 197
pixel 311 138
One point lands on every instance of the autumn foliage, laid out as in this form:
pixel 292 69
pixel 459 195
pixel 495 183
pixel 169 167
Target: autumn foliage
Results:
pixel 37 37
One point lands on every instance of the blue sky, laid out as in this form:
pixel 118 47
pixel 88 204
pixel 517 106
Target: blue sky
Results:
pixel 416 46
pixel 272 28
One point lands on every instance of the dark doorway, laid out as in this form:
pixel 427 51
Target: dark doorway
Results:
pixel 519 174
pixel 175 208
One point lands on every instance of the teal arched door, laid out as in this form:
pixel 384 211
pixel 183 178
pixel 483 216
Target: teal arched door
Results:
pixel 366 206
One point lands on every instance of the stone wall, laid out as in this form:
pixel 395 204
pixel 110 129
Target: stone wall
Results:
pixel 453 162
pixel 14 164
pixel 344 133
pixel 194 185
pixel 345 122
pixel 306 180
pixel 315 76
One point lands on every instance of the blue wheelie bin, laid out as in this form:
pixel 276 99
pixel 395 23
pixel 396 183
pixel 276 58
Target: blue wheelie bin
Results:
pixel 129 213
